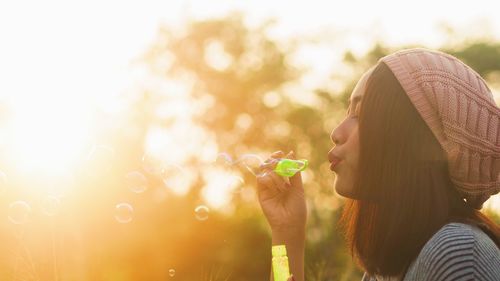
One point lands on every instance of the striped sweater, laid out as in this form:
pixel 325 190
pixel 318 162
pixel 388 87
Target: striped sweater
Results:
pixel 456 252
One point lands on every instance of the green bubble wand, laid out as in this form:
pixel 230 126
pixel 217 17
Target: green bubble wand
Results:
pixel 289 167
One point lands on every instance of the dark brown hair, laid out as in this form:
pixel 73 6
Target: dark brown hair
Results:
pixel 403 189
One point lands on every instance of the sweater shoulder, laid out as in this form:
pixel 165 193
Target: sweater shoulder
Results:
pixel 457 251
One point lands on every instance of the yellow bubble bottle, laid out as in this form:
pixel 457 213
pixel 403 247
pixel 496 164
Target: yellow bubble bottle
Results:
pixel 281 270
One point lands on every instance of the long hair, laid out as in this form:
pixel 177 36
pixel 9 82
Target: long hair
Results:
pixel 403 192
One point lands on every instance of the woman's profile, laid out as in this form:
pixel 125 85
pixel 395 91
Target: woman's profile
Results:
pixel 416 157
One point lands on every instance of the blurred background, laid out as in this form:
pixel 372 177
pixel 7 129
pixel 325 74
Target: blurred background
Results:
pixel 130 130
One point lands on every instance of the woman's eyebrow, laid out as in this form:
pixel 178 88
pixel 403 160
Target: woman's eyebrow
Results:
pixel 353 102
pixel 355 99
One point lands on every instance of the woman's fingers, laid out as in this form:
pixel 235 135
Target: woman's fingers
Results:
pixel 269 179
pixel 271 162
pixel 272 182
pixel 277 154
pixel 268 164
pixel 266 184
pixel 296 180
pixel 279 182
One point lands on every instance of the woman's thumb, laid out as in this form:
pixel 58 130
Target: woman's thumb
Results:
pixel 291 278
pixel 297 178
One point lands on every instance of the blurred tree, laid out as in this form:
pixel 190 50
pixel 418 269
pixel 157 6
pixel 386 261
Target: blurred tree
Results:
pixel 483 57
pixel 242 74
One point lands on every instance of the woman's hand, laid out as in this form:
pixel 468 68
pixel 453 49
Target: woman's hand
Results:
pixel 283 203
pixel 282 199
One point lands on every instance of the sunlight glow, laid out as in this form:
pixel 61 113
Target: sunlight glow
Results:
pixel 94 57
pixel 220 187
pixel 46 135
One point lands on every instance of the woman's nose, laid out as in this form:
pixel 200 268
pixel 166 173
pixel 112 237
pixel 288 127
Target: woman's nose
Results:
pixel 334 137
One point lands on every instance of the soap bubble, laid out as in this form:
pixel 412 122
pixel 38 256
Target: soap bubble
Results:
pixel 201 212
pixel 136 182
pixel 51 205
pixel 152 164
pixel 250 162
pixel 171 272
pixel 19 212
pixel 124 212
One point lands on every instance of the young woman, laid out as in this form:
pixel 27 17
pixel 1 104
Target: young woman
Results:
pixel 416 157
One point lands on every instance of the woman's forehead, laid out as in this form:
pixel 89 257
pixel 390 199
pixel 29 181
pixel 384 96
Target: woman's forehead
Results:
pixel 359 89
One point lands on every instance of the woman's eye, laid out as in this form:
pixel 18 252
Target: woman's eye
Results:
pixel 353 114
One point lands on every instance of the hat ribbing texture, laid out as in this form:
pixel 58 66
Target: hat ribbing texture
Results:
pixel 458 106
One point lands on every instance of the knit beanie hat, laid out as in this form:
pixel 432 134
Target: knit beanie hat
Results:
pixel 458 107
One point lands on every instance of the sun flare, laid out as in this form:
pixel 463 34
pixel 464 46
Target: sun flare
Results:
pixel 46 135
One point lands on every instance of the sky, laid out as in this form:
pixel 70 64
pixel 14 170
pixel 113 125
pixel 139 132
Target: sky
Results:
pixel 54 53
pixel 74 47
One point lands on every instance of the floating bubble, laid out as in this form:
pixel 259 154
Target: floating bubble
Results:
pixel 201 212
pixel 171 272
pixel 19 212
pixel 50 205
pixel 124 212
pixel 250 162
pixel 152 164
pixel 136 182
pixel 175 178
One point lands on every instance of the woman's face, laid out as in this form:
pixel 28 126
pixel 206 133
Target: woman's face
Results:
pixel 346 142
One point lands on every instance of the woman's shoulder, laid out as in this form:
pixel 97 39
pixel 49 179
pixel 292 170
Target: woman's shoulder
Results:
pixel 457 251
pixel 457 234
pixel 457 238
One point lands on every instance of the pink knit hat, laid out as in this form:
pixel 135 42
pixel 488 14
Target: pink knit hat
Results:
pixel 459 108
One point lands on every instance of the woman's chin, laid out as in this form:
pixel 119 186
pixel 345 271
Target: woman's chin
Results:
pixel 342 189
pixel 341 193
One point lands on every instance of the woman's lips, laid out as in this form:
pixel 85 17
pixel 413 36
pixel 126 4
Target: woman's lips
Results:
pixel 335 164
